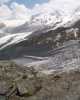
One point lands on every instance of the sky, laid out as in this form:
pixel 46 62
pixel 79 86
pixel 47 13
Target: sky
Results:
pixel 30 3
pixel 18 9
pixel 24 9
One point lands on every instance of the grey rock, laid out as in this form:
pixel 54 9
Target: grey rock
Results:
pixel 4 87
pixel 27 87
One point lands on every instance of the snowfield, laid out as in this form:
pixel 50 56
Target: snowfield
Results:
pixel 13 39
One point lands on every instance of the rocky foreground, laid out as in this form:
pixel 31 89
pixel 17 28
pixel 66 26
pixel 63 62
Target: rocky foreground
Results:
pixel 34 82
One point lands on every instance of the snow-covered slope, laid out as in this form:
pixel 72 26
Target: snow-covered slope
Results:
pixel 12 39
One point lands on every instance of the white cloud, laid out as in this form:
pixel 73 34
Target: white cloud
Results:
pixel 4 1
pixel 64 7
pixel 67 6
pixel 5 12
pixel 15 11
pixel 20 11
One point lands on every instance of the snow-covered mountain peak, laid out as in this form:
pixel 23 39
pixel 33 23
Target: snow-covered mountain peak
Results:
pixel 46 18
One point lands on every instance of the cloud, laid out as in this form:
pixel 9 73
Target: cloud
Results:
pixel 5 12
pixel 67 6
pixel 4 1
pixel 64 7
pixel 20 11
pixel 15 11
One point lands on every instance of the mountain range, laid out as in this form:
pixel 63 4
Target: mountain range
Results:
pixel 43 33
